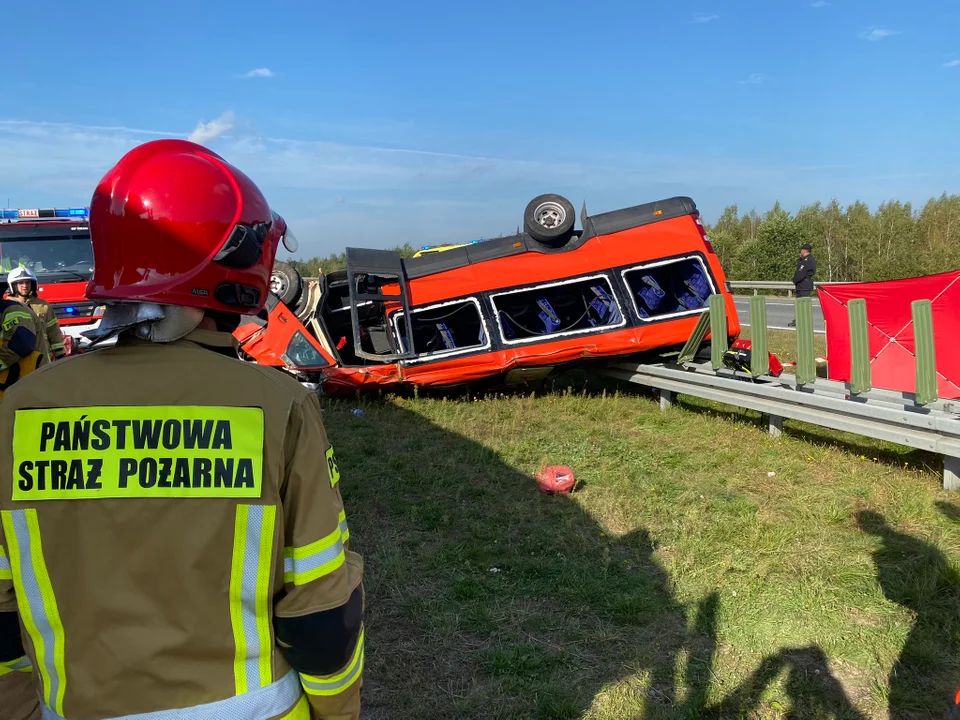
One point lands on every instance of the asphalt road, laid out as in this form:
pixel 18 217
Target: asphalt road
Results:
pixel 779 313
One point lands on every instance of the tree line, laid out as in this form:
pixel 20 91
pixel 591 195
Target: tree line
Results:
pixel 337 261
pixel 850 243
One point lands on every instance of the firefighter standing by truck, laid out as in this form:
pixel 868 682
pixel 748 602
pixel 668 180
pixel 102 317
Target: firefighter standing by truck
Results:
pixel 21 347
pixel 172 524
pixel 23 288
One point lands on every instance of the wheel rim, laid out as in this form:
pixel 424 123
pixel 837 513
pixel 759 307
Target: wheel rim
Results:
pixel 550 215
pixel 278 286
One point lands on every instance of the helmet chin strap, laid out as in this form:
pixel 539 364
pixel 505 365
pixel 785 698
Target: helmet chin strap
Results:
pixel 148 321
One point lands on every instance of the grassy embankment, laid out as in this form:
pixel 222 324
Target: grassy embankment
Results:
pixel 701 569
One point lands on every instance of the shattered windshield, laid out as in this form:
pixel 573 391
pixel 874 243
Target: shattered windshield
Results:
pixel 52 259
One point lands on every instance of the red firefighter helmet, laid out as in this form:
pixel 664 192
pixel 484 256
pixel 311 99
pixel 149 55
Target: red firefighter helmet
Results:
pixel 174 223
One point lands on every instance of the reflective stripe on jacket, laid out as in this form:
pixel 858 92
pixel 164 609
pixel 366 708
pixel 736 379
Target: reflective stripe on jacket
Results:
pixel 52 334
pixel 164 504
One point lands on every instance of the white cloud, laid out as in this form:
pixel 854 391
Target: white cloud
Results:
pixel 952 63
pixel 702 18
pixel 336 194
pixel 819 4
pixel 207 132
pixel 259 73
pixel 875 33
pixel 754 79
pixel 38 156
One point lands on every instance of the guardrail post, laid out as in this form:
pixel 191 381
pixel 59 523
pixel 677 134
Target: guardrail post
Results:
pixel 759 359
pixel 776 425
pixel 666 399
pixel 925 351
pixel 951 473
pixel 806 357
pixel 689 350
pixel 718 330
pixel 860 380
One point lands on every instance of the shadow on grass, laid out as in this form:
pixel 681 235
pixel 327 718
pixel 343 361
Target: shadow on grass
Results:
pixel 812 690
pixel 916 575
pixel 488 599
pixel 951 512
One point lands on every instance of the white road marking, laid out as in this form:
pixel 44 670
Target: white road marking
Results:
pixel 778 327
pixel 773 304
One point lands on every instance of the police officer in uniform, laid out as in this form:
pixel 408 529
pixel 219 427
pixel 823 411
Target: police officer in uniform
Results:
pixel 23 288
pixel 173 537
pixel 803 275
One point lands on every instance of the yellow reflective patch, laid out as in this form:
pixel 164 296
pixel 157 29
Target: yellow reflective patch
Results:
pixel 36 602
pixel 332 468
pixel 249 594
pixel 21 664
pixel 137 452
pixel 236 598
pixel 301 711
pixel 13 318
pixel 302 565
pixel 328 685
pixel 6 573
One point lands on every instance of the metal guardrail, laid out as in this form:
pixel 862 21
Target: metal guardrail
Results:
pixel 920 419
pixel 756 285
pixel 933 431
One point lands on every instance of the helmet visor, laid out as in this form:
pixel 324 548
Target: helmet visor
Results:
pixel 290 242
pixel 288 239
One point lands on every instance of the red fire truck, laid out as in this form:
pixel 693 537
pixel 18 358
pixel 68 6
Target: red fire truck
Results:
pixel 55 244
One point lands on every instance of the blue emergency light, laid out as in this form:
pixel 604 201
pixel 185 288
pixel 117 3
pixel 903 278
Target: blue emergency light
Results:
pixel 43 213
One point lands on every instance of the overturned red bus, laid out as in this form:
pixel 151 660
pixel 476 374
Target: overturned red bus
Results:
pixel 630 282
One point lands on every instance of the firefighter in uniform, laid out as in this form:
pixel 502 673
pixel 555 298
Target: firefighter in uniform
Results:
pixel 23 288
pixel 21 347
pixel 174 538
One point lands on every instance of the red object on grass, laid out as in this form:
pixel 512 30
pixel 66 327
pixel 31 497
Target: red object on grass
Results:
pixel 776 367
pixel 893 364
pixel 553 479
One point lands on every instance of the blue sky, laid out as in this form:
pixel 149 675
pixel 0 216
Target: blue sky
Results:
pixel 379 123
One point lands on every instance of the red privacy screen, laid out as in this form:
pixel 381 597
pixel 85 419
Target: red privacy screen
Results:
pixel 890 323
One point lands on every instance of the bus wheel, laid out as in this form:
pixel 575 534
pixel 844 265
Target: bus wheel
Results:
pixel 286 284
pixel 549 219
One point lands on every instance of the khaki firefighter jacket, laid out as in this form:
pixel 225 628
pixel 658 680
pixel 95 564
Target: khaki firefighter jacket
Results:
pixel 52 337
pixel 21 351
pixel 173 540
